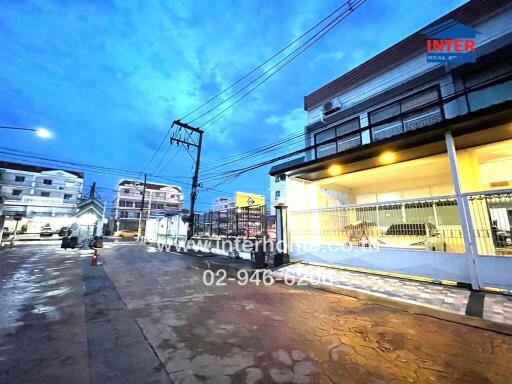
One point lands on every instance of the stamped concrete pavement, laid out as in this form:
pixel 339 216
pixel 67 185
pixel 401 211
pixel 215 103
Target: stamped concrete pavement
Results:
pixel 279 334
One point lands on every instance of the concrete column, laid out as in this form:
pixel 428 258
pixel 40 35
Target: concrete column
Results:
pixel 282 228
pixel 2 221
pixel 464 215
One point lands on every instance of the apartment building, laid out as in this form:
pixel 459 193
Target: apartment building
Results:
pixel 408 157
pixel 159 200
pixel 40 195
pixel 223 203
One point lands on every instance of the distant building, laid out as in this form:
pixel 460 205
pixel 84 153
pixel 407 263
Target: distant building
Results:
pixel 239 200
pixel 222 203
pixel 160 199
pixel 41 195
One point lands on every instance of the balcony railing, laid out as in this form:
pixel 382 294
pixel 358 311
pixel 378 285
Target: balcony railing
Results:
pixel 414 112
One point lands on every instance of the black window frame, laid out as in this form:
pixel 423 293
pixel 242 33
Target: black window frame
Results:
pixel 47 181
pixel 17 177
pixel 18 192
pixel 68 196
pixel 403 115
pixel 336 138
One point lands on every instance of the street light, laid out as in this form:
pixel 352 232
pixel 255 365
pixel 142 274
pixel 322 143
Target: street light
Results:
pixel 41 132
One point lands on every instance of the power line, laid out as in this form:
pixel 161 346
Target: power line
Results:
pixel 296 136
pixel 280 64
pixel 157 149
pixel 446 98
pixel 265 62
pixel 248 74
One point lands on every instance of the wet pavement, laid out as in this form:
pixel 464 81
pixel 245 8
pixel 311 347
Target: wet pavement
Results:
pixel 281 334
pixel 151 319
pixel 42 324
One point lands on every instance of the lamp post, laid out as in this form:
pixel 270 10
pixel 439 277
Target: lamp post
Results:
pixel 41 132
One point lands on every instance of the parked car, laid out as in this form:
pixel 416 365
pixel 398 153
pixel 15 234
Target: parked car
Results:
pixel 64 231
pixel 46 231
pixel 126 234
pixel 6 233
pixel 419 236
pixel 503 239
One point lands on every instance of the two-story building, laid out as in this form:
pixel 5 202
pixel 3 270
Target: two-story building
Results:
pixel 40 195
pixel 159 200
pixel 408 160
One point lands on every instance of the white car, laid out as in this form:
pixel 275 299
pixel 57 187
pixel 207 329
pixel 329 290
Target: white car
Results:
pixel 418 236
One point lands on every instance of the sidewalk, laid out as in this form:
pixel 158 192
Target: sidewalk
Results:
pixel 484 310
pixel 441 298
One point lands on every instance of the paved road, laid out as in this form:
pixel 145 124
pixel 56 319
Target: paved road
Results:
pixel 62 321
pixel 287 334
pixel 151 319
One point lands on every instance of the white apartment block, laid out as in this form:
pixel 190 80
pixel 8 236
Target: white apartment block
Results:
pixel 223 203
pixel 159 200
pixel 40 195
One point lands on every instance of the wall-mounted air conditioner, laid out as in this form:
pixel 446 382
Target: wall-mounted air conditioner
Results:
pixel 331 106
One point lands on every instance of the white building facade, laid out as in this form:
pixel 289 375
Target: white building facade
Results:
pixel 408 161
pixel 40 195
pixel 159 200
pixel 223 203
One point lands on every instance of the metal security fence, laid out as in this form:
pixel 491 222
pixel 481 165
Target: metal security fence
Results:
pixel 236 222
pixel 427 224
pixel 491 214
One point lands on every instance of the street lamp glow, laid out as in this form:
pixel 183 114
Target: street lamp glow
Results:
pixel 43 133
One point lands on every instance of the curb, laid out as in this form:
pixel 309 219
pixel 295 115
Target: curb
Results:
pixel 416 308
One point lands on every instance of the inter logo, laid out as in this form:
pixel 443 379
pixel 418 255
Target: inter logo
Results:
pixel 450 41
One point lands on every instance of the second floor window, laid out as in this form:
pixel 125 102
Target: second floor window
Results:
pixel 19 179
pixel 68 196
pixel 345 138
pixel 412 112
pixel 45 194
pixel 47 182
pixel 125 203
pixel 16 192
pixel 277 194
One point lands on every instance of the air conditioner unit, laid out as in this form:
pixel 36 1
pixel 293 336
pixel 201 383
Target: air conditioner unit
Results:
pixel 330 107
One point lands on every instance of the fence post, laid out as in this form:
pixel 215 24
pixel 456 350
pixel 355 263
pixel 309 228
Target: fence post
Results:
pixel 468 232
pixel 282 232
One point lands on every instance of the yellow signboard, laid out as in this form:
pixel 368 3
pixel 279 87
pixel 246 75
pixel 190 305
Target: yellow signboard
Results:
pixel 244 199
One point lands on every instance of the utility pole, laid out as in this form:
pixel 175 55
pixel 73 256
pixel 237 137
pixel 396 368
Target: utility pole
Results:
pixel 188 142
pixel 139 231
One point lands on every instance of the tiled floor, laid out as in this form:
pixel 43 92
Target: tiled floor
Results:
pixel 451 299
pixel 498 308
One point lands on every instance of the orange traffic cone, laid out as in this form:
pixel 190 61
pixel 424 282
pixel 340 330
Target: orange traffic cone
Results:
pixel 94 261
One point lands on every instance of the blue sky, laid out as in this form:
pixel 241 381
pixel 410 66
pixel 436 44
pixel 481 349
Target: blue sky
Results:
pixel 107 76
